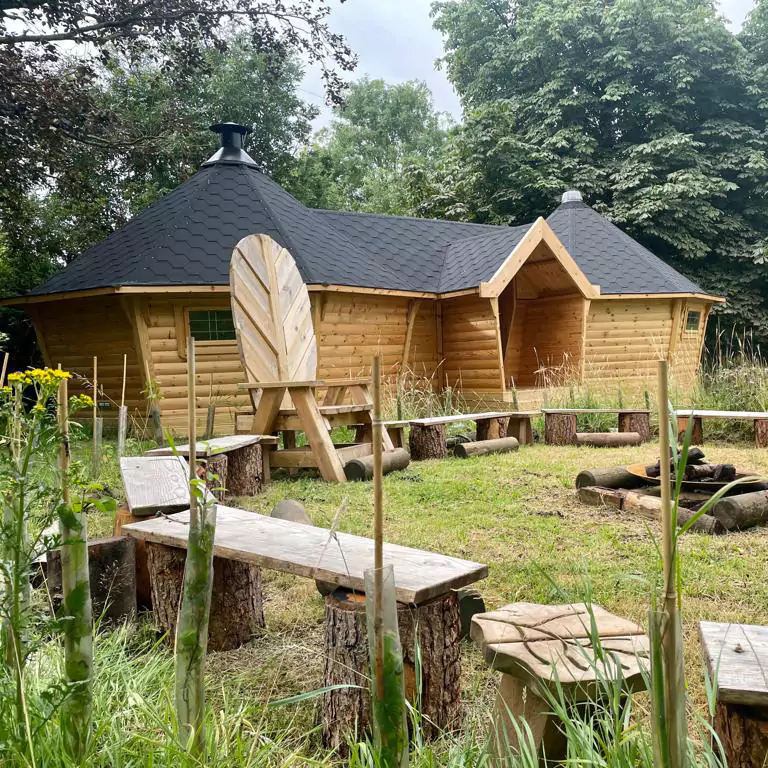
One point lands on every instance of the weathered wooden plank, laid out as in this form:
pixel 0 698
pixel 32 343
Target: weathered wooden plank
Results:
pixel 736 415
pixel 311 552
pixel 155 483
pixel 215 446
pixel 577 411
pixel 459 417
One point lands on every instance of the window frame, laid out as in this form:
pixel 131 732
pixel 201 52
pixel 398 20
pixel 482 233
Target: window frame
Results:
pixel 689 312
pixel 188 324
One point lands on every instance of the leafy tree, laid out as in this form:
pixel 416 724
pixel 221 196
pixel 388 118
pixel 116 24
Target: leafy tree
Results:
pixel 651 107
pixel 358 162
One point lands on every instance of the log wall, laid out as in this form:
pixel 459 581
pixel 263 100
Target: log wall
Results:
pixel 686 346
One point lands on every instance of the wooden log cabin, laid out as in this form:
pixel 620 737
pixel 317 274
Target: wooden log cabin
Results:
pixel 489 310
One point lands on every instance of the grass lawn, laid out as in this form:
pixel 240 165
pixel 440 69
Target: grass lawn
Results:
pixel 518 513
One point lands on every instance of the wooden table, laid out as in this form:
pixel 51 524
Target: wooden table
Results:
pixel 542 648
pixel 758 418
pixel 736 656
pixel 424 583
pixel 560 423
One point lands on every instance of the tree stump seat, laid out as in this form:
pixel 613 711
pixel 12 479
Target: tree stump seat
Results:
pixel 560 423
pixel 735 657
pixel 540 648
pixel 428 440
pixel 759 421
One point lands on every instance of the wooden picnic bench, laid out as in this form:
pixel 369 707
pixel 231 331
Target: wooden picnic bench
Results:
pixel 759 419
pixel 560 426
pixel 238 461
pixel 735 655
pixel 542 649
pixel 427 438
pixel 424 588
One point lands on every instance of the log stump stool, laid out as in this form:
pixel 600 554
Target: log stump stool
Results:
pixel 697 435
pixel 559 428
pixel 537 648
pixel 735 657
pixel 636 421
pixel 761 433
pixel 491 429
pixel 427 441
pixel 434 625
pixel 237 610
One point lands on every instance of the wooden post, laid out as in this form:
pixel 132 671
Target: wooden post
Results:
pixel 697 436
pixel 761 433
pixel 378 531
pixel 5 369
pixel 122 414
pixel 97 423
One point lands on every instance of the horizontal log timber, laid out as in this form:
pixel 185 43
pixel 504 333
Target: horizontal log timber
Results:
pixel 391 461
pixel 608 439
pixel 485 447
pixel 609 477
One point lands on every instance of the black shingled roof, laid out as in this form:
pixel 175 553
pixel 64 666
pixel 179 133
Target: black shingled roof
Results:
pixel 187 237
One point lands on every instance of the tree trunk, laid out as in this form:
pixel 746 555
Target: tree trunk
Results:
pixel 560 428
pixel 245 471
pixel 214 472
pixel 743 732
pixel 492 429
pixel 609 477
pixel 636 422
pixel 391 461
pixel 607 439
pixel 348 710
pixel 761 433
pixel 745 510
pixel 697 436
pixel 484 447
pixel 428 442
pixel 236 607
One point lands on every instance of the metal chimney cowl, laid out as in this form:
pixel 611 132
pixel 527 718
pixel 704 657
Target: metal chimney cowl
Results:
pixel 572 196
pixel 231 151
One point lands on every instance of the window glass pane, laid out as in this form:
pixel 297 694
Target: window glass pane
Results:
pixel 692 321
pixel 215 325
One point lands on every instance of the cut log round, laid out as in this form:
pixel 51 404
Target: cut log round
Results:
pixel 636 422
pixel 435 626
pixel 607 439
pixel 484 447
pixel 236 606
pixel 560 428
pixel 761 433
pixel 427 441
pixel 492 429
pixel 609 477
pixel 744 510
pixel 743 732
pixel 697 435
pixel 391 461
pixel 245 471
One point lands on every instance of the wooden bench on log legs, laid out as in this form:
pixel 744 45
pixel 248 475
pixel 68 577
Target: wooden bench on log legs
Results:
pixel 427 439
pixel 735 656
pixel 758 418
pixel 560 427
pixel 540 648
pixel 424 588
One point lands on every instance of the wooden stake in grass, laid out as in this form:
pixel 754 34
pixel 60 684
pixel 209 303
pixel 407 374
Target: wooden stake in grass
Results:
pixel 78 626
pixel 122 414
pixel 5 369
pixel 97 423
pixel 378 527
pixel 192 626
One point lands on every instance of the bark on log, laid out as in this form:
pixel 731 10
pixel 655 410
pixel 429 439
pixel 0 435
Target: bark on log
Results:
pixel 560 428
pixel 427 442
pixel 391 461
pixel 744 510
pixel 743 732
pixel 143 586
pixel 245 471
pixel 609 477
pixel 520 427
pixel 697 435
pixel 636 422
pixel 237 610
pixel 608 439
pixel 436 627
pixel 492 429
pixel 761 433
pixel 484 447
pixel 214 472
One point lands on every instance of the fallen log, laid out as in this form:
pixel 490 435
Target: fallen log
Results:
pixel 723 473
pixel 391 461
pixel 645 506
pixel 695 457
pixel 609 477
pixel 484 447
pixel 745 510
pixel 608 439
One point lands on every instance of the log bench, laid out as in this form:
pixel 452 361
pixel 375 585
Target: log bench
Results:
pixel 427 438
pixel 560 426
pixel 428 608
pixel 239 462
pixel 735 655
pixel 758 418
pixel 542 648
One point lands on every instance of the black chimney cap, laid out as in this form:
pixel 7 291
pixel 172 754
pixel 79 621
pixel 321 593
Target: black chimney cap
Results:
pixel 231 151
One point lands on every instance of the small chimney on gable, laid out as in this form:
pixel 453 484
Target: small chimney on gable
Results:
pixel 572 196
pixel 231 151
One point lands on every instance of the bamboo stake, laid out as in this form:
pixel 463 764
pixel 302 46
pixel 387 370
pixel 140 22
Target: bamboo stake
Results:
pixel 122 414
pixel 192 627
pixel 97 423
pixel 5 368
pixel 76 588
pixel 378 529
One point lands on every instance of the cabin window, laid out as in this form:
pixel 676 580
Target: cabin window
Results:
pixel 692 322
pixel 212 325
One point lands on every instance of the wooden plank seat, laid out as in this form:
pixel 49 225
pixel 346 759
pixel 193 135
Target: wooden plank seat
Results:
pixel 735 656
pixel 758 418
pixel 542 648
pixel 424 588
pixel 560 424
pixel 427 438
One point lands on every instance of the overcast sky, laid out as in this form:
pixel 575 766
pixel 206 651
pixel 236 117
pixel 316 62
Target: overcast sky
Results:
pixel 395 41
